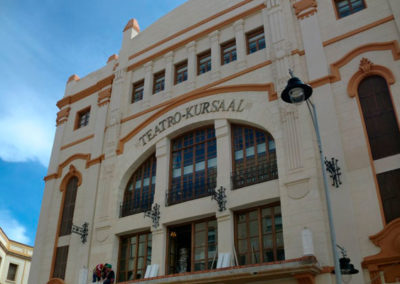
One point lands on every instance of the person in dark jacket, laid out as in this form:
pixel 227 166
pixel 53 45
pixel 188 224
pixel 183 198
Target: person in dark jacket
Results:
pixel 110 275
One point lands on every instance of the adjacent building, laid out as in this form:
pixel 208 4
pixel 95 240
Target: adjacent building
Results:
pixel 182 163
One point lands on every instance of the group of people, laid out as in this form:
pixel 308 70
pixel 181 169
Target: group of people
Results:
pixel 103 273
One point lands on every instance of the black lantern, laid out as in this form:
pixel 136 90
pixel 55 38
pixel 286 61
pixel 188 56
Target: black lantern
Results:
pixel 296 91
pixel 346 268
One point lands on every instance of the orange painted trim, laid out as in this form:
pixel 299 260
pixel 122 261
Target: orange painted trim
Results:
pixel 358 30
pixel 193 96
pixel 132 23
pixel 307 14
pixel 95 161
pixel 194 37
pixel 73 77
pixel 86 92
pixel 327 269
pixel 297 51
pixel 304 5
pixel 112 58
pixel 73 172
pixel 77 142
pixel 175 35
pixel 62 116
pixel 104 97
pixel 55 281
pixel 305 278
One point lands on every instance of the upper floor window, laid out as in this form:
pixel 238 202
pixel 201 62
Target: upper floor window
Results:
pixel 389 184
pixel 255 40
pixel 139 192
pixel 348 7
pixel 134 256
pixel 379 117
pixel 68 206
pixel 181 72
pixel 137 93
pixel 254 156
pixel 228 52
pixel 60 265
pixel 12 272
pixel 204 62
pixel 259 235
pixel 82 118
pixel 194 165
pixel 159 81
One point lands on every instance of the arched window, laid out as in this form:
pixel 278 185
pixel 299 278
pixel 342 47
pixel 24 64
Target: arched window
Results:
pixel 254 156
pixel 194 165
pixel 139 192
pixel 69 206
pixel 380 119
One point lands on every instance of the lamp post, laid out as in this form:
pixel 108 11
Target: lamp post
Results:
pixel 296 92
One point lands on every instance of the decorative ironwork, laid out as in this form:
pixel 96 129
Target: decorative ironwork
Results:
pixel 255 174
pixel 154 214
pixel 82 231
pixel 334 170
pixel 219 196
pixel 131 207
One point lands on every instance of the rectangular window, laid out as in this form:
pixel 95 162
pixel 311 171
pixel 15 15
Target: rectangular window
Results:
pixel 255 40
pixel 159 81
pixel 347 7
pixel 204 62
pixel 134 256
pixel 389 186
pixel 228 52
pixel 259 235
pixel 181 72
pixel 82 118
pixel 60 264
pixel 137 93
pixel 12 272
pixel 192 247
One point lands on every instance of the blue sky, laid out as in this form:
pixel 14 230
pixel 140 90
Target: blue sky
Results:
pixel 42 43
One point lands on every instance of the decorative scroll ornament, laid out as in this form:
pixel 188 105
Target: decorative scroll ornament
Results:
pixel 334 170
pixel 154 214
pixel 82 231
pixel 219 196
pixel 365 65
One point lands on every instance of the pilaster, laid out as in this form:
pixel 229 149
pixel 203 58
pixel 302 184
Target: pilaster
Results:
pixel 224 161
pixel 226 241
pixel 158 252
pixel 215 55
pixel 192 63
pixel 238 27
pixel 148 81
pixel 169 72
pixel 162 175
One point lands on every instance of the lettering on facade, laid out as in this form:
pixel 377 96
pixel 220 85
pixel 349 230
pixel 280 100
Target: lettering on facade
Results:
pixel 191 111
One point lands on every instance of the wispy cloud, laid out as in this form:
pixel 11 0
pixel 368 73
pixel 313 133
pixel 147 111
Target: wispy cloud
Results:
pixel 13 229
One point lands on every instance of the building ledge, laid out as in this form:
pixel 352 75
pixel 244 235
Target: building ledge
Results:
pixel 291 268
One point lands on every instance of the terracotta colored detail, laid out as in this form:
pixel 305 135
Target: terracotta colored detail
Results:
pixel 104 97
pixel 305 8
pixel 112 57
pixel 199 93
pixel 77 142
pixel 306 278
pixel 358 30
pixel 327 269
pixel 115 66
pixel 86 92
pixel 55 281
pixel 89 163
pixel 367 68
pixel 73 77
pixel 62 116
pixel 393 46
pixel 73 172
pixel 388 259
pixel 297 51
pixel 132 23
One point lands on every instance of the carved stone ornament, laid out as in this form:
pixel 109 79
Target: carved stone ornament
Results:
pixel 365 65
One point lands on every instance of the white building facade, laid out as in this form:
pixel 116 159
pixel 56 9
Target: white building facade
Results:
pixel 183 160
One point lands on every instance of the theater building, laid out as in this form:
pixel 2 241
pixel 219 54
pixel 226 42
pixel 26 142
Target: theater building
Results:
pixel 187 167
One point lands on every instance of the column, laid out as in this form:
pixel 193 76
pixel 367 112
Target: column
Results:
pixel 169 72
pixel 192 63
pixel 159 248
pixel 226 237
pixel 224 153
pixel 215 55
pixel 240 44
pixel 148 81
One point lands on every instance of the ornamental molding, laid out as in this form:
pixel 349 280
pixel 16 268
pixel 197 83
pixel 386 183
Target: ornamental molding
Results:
pixel 104 97
pixel 305 8
pixel 62 116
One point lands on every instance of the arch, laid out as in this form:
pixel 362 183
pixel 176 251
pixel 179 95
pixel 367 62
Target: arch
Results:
pixel 366 69
pixel 55 281
pixel 72 172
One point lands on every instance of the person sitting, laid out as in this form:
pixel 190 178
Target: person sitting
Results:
pixel 97 273
pixel 110 275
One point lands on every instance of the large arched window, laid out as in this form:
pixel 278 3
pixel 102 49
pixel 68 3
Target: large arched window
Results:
pixel 194 165
pixel 254 156
pixel 139 192
pixel 380 119
pixel 68 206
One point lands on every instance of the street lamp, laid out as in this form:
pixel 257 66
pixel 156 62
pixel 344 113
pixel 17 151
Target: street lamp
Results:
pixel 296 92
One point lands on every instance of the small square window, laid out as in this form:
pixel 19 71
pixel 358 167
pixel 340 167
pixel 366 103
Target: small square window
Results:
pixel 255 40
pixel 181 72
pixel 204 62
pixel 159 81
pixel 137 93
pixel 228 52
pixel 347 7
pixel 82 118
pixel 12 272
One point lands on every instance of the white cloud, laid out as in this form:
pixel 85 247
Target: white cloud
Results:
pixel 13 229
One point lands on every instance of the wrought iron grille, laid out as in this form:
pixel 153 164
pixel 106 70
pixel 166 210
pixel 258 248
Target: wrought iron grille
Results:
pixel 255 174
pixel 193 191
pixel 131 207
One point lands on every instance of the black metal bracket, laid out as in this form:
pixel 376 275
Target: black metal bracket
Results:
pixel 82 231
pixel 334 170
pixel 154 214
pixel 219 196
